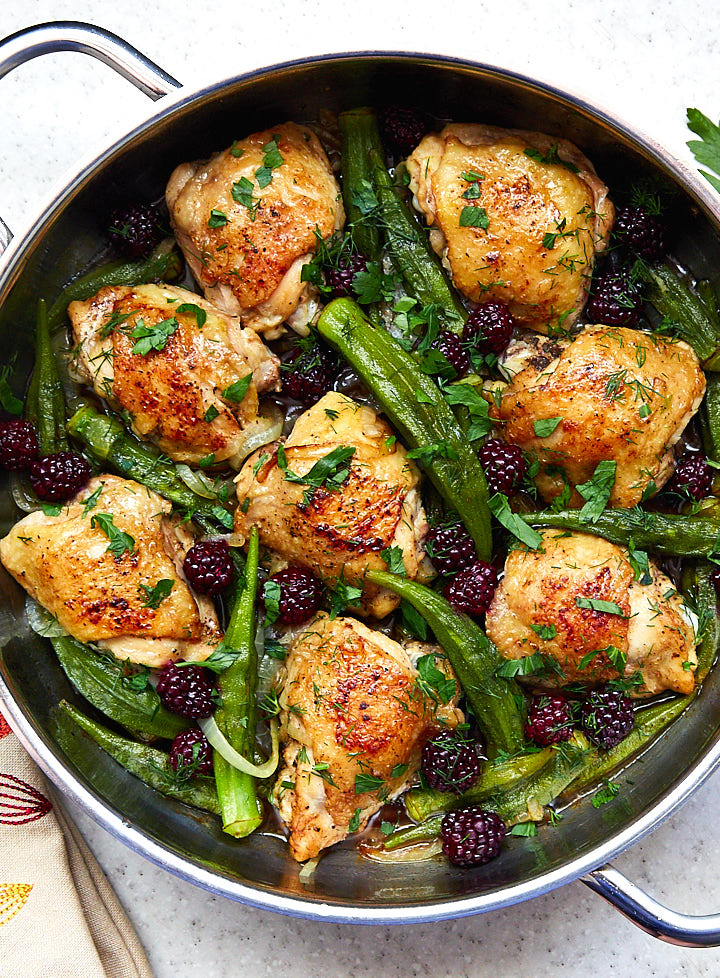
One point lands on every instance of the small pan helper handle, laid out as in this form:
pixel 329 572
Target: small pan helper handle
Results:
pixel 70 35
pixel 646 913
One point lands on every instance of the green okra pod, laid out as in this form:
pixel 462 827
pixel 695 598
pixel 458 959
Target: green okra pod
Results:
pixel 710 418
pixel 357 128
pixel 45 402
pixel 147 763
pixel 699 589
pixel 416 407
pixel 492 699
pixel 692 315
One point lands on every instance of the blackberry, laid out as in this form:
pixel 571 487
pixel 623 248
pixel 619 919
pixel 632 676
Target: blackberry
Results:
pixel 642 232
pixel 208 566
pixel 693 476
pixel 190 753
pixel 339 278
pixel 185 690
pixel 607 717
pixel 472 590
pixel 300 594
pixel 616 300
pixel 135 230
pixel 504 466
pixel 549 720
pixel 60 476
pixel 310 374
pixel 471 836
pixel 18 445
pixel 450 762
pixel 450 547
pixel 488 328
pixel 402 129
pixel 451 347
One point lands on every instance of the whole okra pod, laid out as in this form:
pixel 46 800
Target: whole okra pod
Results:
pixel 45 401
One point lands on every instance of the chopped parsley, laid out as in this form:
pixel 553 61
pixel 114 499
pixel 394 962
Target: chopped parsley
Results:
pixel 237 391
pixel 393 557
pixel 597 490
pixel 354 823
pixel 271 597
pixel 272 159
pixel 52 509
pixel 120 541
pixel 412 621
pixel 471 398
pixel 550 157
pixel 341 595
pixel 500 508
pixel 367 782
pixel 596 604
pixel 242 193
pixel 525 829
pixel 432 681
pixel 223 517
pixel 474 217
pixel 706 150
pixel 153 337
pixel 330 471
pixel 217 219
pixel 528 665
pixel 154 596
pixel 200 314
pixel 617 657
pixel 211 413
pixel 545 632
pixel 91 501
pixel 544 427
pixel 606 793
pixel 427 454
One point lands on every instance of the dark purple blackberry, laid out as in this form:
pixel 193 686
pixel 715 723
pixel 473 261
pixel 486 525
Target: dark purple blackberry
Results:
pixel 641 232
pixel 472 590
pixel 309 375
pixel 402 129
pixel 450 547
pixel 18 445
pixel 59 477
pixel 135 230
pixel 451 347
pixel 616 300
pixel 549 720
pixel 488 328
pixel 300 594
pixel 450 762
pixel 504 466
pixel 607 717
pixel 340 277
pixel 208 566
pixel 471 836
pixel 191 752
pixel 185 690
pixel 693 476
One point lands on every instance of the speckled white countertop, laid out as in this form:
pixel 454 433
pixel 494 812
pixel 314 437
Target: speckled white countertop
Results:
pixel 645 61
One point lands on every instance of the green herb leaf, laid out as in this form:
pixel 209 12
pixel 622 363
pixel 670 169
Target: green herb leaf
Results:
pixel 387 828
pixel 237 391
pixel 528 665
pixel 706 150
pixel 8 401
pixel 354 823
pixel 433 681
pixel 597 490
pixel 154 596
pixel 275 649
pixel 393 557
pixel 545 632
pixel 472 176
pixel 242 193
pixel 217 218
pixel 544 427
pixel 608 791
pixel 525 829
pixel 223 517
pixel 211 413
pixel 272 159
pixel 412 620
pixel 91 501
pixel 120 541
pixel 363 197
pixel 341 595
pixel 470 397
pixel 398 770
pixel 152 337
pixel 367 782
pixel 500 508
pixel 200 314
pixel 596 604
pixel 474 217
pixel 640 563
pixel 330 471
pixel 52 509
pixel 271 597
pixel 550 157
pixel 427 454
pixel 235 150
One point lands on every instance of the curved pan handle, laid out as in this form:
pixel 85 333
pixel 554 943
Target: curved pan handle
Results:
pixel 72 35
pixel 646 913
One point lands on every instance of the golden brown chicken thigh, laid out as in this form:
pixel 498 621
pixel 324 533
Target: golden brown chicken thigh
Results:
pixel 353 722
pixel 517 217
pixel 337 530
pixel 96 568
pixel 545 604
pixel 247 219
pixel 172 369
pixel 611 393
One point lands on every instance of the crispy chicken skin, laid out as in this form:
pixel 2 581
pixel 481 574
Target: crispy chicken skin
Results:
pixel 514 259
pixel 250 265
pixel 64 563
pixel 621 394
pixel 167 393
pixel 337 532
pixel 350 706
pixel 541 588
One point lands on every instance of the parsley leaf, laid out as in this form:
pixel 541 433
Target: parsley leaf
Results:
pixel 412 620
pixel 469 397
pixel 330 471
pixel 544 427
pixel 211 413
pixel 217 218
pixel 399 770
pixel 153 337
pixel 341 595
pixel 271 598
pixel 596 604
pixel 237 391
pixel 223 517
pixel 605 794
pixel 393 557
pixel 550 157
pixel 597 490
pixel 200 314
pixel 272 159
pixel 363 196
pixel 706 150
pixel 91 501
pixel 120 541
pixel 525 829
pixel 275 649
pixel 242 193
pixel 154 596
pixel 640 563
pixel 367 782
pixel 354 823
pixel 427 454
pixel 222 658
pixel 528 665
pixel 545 632
pixel 52 509
pixel 474 217
pixel 500 508
pixel 433 681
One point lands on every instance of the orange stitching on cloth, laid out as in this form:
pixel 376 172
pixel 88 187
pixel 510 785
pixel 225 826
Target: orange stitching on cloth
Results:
pixel 13 897
pixel 20 802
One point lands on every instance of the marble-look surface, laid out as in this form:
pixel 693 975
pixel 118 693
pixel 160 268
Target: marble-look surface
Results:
pixel 646 61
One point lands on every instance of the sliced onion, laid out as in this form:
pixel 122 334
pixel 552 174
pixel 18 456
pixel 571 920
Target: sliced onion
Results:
pixel 267 428
pixel 308 869
pixel 41 621
pixel 417 853
pixel 197 481
pixel 225 749
pixel 23 496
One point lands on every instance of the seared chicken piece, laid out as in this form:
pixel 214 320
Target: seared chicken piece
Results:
pixel 353 718
pixel 517 217
pixel 544 604
pixel 174 387
pixel 247 219
pixel 97 566
pixel 337 531
pixel 612 393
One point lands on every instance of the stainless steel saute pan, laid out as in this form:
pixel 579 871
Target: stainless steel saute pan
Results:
pixel 69 234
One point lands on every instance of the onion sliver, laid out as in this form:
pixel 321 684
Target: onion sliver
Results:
pixel 217 739
pixel 41 621
pixel 196 481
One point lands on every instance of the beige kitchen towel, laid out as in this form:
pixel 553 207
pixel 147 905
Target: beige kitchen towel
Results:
pixel 59 918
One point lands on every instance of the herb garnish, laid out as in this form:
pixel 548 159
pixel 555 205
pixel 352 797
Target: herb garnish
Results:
pixel 272 159
pixel 474 217
pixel 432 681
pixel 242 193
pixel 500 508
pixel 237 391
pixel 200 314
pixel 596 604
pixel 393 557
pixel 217 218
pixel 597 490
pixel 153 337
pixel 154 596
pixel 706 150
pixel 341 595
pixel 330 471
pixel 367 782
pixel 544 427
pixel 120 541
pixel 550 157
